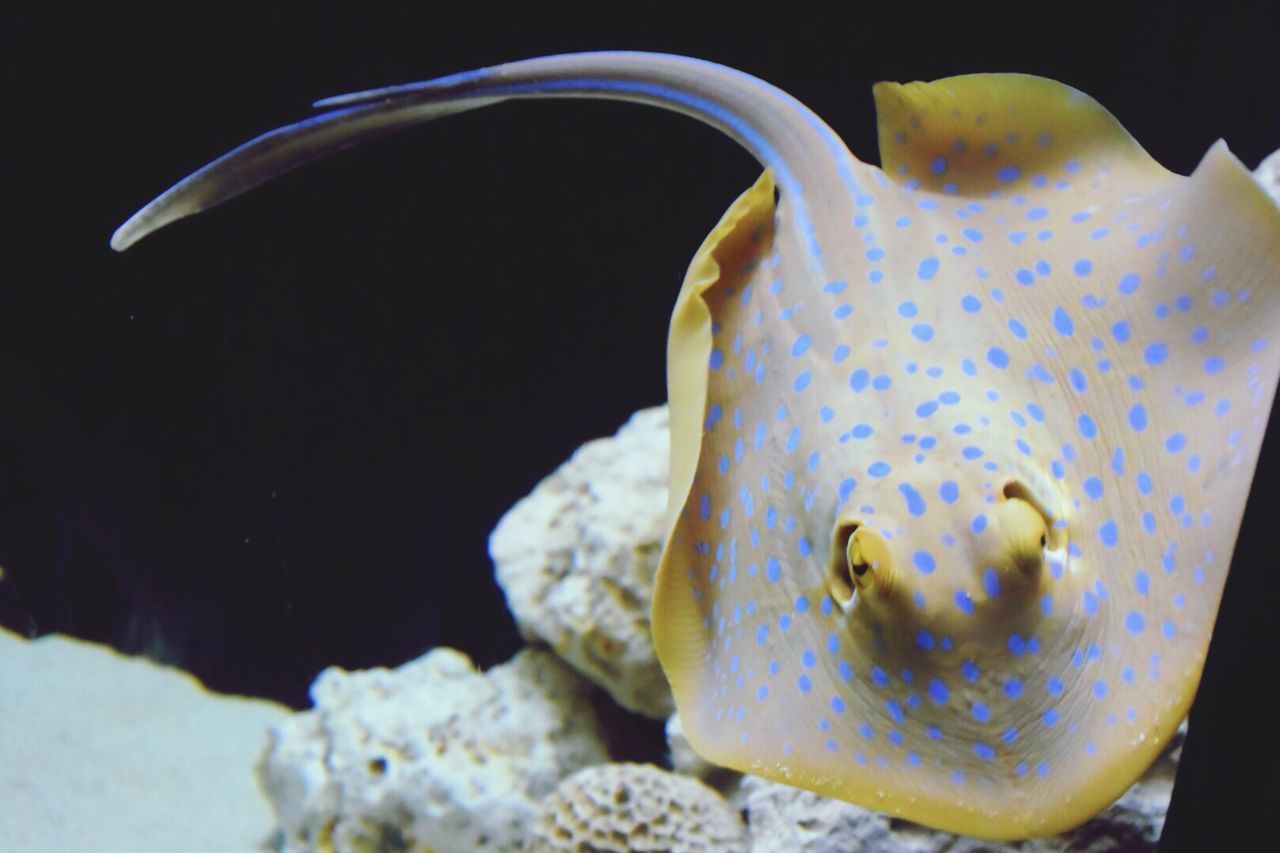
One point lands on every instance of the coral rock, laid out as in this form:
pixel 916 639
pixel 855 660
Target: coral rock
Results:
pixel 432 755
pixel 625 807
pixel 1268 174
pixel 577 559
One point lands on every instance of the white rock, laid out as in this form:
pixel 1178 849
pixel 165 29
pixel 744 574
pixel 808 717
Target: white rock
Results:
pixel 782 818
pixel 634 807
pixel 433 755
pixel 578 556
pixel 104 752
pixel 1268 174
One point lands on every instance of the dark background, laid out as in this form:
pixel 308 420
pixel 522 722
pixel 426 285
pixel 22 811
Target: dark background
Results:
pixel 275 437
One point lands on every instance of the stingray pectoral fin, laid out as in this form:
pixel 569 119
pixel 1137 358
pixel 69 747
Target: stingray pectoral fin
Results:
pixel 976 133
pixel 723 262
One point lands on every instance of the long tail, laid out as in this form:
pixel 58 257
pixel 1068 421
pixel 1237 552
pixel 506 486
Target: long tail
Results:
pixel 778 130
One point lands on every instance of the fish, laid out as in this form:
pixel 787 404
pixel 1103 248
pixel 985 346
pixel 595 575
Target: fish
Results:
pixel 960 444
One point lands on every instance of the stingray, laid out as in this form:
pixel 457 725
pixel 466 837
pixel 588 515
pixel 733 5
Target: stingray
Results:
pixel 960 445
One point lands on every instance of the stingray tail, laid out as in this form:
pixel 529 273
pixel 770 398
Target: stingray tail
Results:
pixel 778 130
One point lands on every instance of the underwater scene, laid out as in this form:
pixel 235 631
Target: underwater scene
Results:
pixel 589 438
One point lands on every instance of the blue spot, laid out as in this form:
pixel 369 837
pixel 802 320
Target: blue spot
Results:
pixel 938 691
pixel 878 469
pixel 1062 322
pixel 971 304
pixel 1083 267
pixel 949 398
pixel 846 488
pixel 1155 353
pixel 846 671
pixel 925 640
pixel 1093 488
pixel 773 569
pixel 866 731
pixel 1036 213
pixel 801 346
pixel 842 311
pixel 1138 417
pixel 1019 330
pixel 1212 365
pixel 1013 688
pixel 924 561
pixel 840 353
pixel 804 683
pixel 1120 331
pixel 1024 277
pixel 762 635
pixel 1100 689
pixel 1043 268
pixel 875 253
pixel 998 358
pixel 802 381
pixel 808 659
pixel 1140 582
pixel 1051 717
pixel 881 382
pixel 907 309
pixel 1087 427
pixel 915 503
pixel 971 452
pixel 1175 442
pixel 793 439
pixel 837 704
pixel 1107 533
pixel 985 752
pixel 835 287
pixel 895 714
pixel 878 677
pixel 922 331
pixel 859 378
pixel 717 358
pixel 1169 629
pixel 979 523
pixel 1008 174
pixel 1134 622
pixel 991 582
pixel 949 491
pixel 802 604
pixel 926 408
pixel 928 268
pixel 861 431
pixel 1076 376
pixel 1129 283
pixel 1053 685
pixel 964 602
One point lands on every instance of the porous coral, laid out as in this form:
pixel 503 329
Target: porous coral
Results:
pixel 635 807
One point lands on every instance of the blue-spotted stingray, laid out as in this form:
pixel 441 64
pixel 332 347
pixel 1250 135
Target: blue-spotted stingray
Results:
pixel 960 444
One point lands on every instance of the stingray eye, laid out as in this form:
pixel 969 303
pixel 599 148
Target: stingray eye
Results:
pixel 1053 532
pixel 1022 530
pixel 860 561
